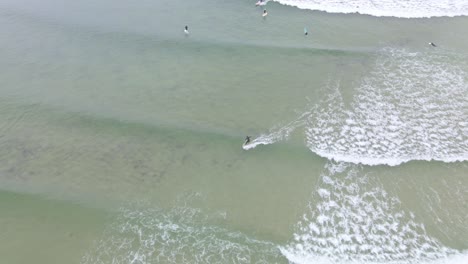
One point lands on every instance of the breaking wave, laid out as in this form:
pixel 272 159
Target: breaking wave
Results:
pixel 183 234
pixel 354 220
pixel 411 106
pixel 390 8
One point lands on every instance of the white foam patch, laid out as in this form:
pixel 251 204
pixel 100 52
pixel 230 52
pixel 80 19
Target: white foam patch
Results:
pixel 262 3
pixel 353 220
pixel 391 8
pixel 179 235
pixel 412 106
pixel 459 258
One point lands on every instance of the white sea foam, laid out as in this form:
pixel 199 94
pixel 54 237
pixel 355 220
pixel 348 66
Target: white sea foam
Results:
pixel 393 8
pixel 353 220
pixel 411 106
pixel 179 235
pixel 262 3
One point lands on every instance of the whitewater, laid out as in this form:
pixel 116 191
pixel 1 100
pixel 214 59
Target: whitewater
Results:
pixel 352 219
pixel 412 106
pixel 390 8
pixel 120 136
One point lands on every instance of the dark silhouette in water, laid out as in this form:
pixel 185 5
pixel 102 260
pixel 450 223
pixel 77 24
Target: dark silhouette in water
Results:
pixel 432 44
pixel 247 140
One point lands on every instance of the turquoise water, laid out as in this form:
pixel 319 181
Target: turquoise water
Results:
pixel 121 137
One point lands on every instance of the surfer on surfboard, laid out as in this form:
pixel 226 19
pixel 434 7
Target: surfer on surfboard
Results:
pixel 186 30
pixel 247 140
pixel 265 13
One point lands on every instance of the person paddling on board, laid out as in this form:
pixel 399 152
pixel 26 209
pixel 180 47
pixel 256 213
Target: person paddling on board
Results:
pixel 265 13
pixel 247 140
pixel 432 44
pixel 305 32
pixel 186 30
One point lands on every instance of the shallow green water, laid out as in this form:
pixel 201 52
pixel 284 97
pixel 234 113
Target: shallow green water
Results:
pixel 120 138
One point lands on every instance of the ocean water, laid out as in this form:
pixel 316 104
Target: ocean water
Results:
pixel 121 137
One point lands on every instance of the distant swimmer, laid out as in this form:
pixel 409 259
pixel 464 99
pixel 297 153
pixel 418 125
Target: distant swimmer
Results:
pixel 186 30
pixel 265 13
pixel 305 32
pixel 247 140
pixel 432 44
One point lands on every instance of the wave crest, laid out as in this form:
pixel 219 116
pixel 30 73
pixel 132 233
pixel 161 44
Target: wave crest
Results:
pixel 389 8
pixel 411 106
